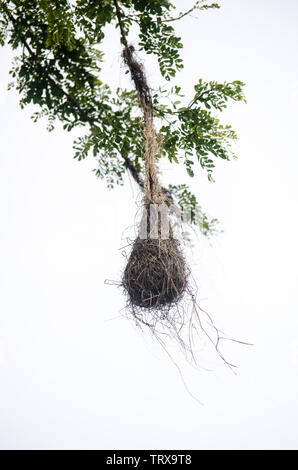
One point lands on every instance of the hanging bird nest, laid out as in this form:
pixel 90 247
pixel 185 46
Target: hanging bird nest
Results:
pixel 155 275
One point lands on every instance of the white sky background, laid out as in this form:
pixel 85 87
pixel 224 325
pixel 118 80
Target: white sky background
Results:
pixel 76 374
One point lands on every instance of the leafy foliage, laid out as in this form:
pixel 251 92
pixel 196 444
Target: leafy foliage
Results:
pixel 58 68
pixel 193 130
pixel 191 211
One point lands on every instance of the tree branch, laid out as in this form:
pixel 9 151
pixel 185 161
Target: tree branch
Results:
pixel 196 6
pixel 183 14
pixel 121 26
pixel 133 171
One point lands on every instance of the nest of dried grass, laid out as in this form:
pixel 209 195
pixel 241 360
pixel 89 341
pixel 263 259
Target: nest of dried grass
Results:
pixel 155 276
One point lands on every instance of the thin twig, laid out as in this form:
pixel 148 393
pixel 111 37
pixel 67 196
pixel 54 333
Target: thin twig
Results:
pixel 196 5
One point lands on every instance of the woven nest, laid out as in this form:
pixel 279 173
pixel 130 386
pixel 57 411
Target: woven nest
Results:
pixel 155 276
